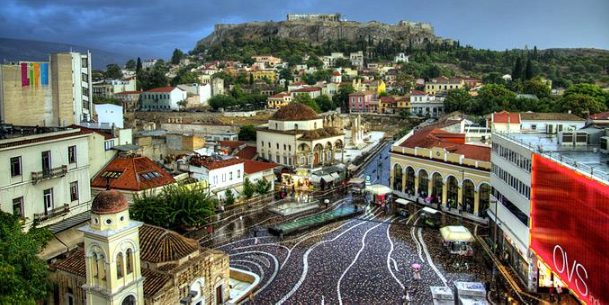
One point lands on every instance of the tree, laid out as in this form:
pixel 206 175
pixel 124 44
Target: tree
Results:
pixel 404 114
pixel 247 133
pixel 456 100
pixel 528 71
pixel 248 189
pixel 229 197
pixel 342 63
pixel 182 104
pixel 325 103
pixel 405 81
pixel 23 275
pixel 581 104
pixel 491 98
pixel 285 74
pixel 307 100
pixel 175 207
pixel 106 100
pixel 537 87
pixel 594 91
pixel 517 71
pixel 221 101
pixel 113 71
pixel 152 79
pixel 185 77
pixel 263 186
pixel 138 66
pixel 342 98
pixel 130 65
pixel 314 61
pixel 177 56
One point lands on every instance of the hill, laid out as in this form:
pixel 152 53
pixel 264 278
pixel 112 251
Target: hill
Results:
pixel 18 49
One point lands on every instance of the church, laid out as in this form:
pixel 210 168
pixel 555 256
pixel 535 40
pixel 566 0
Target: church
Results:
pixel 127 262
pixel 296 137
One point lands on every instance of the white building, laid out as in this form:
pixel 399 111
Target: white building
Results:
pixel 220 175
pixel 197 94
pixel 148 63
pixel 45 174
pixel 313 92
pixel 357 59
pixel 401 57
pixel 329 61
pixel 295 136
pixel 550 122
pixel 162 99
pixel 423 104
pixel 108 88
pixel 109 114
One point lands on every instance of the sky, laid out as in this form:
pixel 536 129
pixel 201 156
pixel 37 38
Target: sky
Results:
pixel 154 28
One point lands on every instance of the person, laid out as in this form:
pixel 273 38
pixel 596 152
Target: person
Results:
pixel 255 240
pixel 251 297
pixel 558 291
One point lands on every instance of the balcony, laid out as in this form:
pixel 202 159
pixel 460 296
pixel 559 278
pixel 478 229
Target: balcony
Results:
pixel 56 212
pixel 49 173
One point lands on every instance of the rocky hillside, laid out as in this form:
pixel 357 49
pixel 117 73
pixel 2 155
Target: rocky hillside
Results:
pixel 317 32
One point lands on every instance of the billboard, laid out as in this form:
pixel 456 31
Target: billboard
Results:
pixel 570 228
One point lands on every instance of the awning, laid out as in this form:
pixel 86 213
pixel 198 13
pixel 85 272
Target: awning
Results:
pixel 335 176
pixel 357 180
pixel 456 233
pixel 315 178
pixel 327 178
pixel 402 201
pixel 62 242
pixel 430 210
pixel 352 167
pixel 378 189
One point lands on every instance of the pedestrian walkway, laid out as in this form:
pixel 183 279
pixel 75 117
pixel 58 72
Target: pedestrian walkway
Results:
pixel 443 208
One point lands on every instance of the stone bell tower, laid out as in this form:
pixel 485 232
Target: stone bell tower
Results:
pixel 112 253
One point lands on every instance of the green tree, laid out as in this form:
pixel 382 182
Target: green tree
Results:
pixel 130 65
pixel 537 87
pixel 404 81
pixel 342 63
pixel 528 71
pixel 247 133
pixel 177 56
pixel 286 74
pixel 342 98
pixel 106 100
pixel 325 103
pixel 307 100
pixel 138 66
pixel 182 104
pixel 263 186
pixel 457 100
pixel 152 79
pixel 581 104
pixel 517 71
pixel 176 207
pixel 491 98
pixel 221 101
pixel 594 91
pixel 314 61
pixel 23 274
pixel 113 71
pixel 248 189
pixel 404 114
pixel 185 77
pixel 229 197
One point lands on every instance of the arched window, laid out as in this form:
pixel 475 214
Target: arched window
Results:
pixel 423 183
pixel 397 177
pixel 277 145
pixel 468 196
pixel 296 126
pixel 485 193
pixel 452 192
pixel 130 300
pixel 410 180
pixel 129 262
pixel 437 187
pixel 119 265
pixel 315 125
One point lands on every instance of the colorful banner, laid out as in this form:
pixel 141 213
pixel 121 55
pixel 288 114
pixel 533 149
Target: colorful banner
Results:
pixel 25 81
pixel 44 70
pixel 36 74
pixel 570 228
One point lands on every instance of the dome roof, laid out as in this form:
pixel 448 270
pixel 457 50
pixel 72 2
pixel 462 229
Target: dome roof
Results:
pixel 109 202
pixel 295 112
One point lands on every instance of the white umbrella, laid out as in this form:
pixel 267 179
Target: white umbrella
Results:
pixel 456 233
pixel 379 189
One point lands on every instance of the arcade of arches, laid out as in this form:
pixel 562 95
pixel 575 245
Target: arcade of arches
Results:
pixel 466 189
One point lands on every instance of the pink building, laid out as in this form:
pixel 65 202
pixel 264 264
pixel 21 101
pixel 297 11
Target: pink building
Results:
pixel 360 101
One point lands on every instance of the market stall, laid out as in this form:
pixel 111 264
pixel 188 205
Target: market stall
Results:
pixel 401 207
pixel 378 194
pixel 356 185
pixel 458 239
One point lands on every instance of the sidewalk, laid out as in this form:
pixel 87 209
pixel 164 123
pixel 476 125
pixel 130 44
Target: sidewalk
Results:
pixel 418 200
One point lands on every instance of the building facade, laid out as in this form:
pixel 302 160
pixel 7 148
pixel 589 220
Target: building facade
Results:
pixel 443 84
pixel 279 100
pixel 109 88
pixel 45 174
pixel 423 104
pixel 221 175
pixel 130 99
pixel 52 93
pixel 359 102
pixel 162 99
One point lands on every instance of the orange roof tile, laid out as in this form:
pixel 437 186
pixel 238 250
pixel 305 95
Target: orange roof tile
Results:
pixel 161 245
pixel 251 166
pixel 248 152
pixel 231 144
pixel 506 117
pixel 432 136
pixel 133 174
pixel 164 89
pixel 130 92
pixel 210 164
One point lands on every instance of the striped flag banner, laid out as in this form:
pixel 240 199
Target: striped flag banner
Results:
pixel 25 81
pixel 36 74
pixel 44 70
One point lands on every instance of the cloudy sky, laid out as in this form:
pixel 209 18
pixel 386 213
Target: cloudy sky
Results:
pixel 153 28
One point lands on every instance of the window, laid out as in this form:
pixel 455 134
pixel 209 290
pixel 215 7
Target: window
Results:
pixel 48 200
pixel 533 126
pixel 224 177
pixel 277 159
pixel 72 154
pixel 262 144
pixel 289 147
pixel 277 145
pixel 15 166
pixel 18 207
pixel 129 262
pixel 238 173
pixel 230 176
pixel 269 144
pixel 119 265
pixel 74 191
pixel 109 144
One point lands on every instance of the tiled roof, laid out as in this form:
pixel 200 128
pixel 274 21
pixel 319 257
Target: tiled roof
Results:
pixel 248 152
pixel 41 139
pixel 251 166
pixel 600 116
pixel 363 93
pixel 133 174
pixel 231 144
pixel 74 263
pixel 109 202
pixel 505 117
pixel 210 164
pixel 550 116
pixel 86 130
pixel 307 89
pixel 160 245
pixel 432 136
pixel 388 99
pixel 164 89
pixel 279 95
pixel 153 281
pixel 417 92
pixel 336 74
pixel 295 112
pixel 130 92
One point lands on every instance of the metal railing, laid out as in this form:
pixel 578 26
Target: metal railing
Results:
pixel 49 173
pixel 558 158
pixel 62 210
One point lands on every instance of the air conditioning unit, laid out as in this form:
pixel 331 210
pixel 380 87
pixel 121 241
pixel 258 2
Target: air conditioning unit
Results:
pixel 581 139
pixel 566 138
pixel 550 129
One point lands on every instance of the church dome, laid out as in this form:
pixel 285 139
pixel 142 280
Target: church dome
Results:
pixel 109 202
pixel 295 112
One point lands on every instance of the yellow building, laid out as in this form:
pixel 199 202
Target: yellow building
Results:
pixel 279 100
pixel 443 84
pixel 403 103
pixel 262 74
pixel 432 165
pixel 381 88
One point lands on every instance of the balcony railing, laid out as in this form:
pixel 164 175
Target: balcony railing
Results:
pixel 65 209
pixel 49 174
